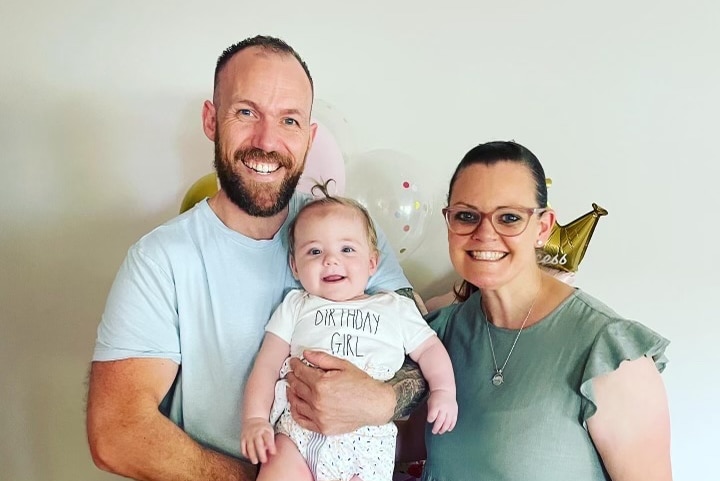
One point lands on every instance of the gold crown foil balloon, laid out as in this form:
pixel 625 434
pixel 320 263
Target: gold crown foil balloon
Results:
pixel 567 244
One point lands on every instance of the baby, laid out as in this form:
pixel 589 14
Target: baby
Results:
pixel 333 253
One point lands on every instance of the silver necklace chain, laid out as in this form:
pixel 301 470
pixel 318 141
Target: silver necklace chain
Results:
pixel 498 378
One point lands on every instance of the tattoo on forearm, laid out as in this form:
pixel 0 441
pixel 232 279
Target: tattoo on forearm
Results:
pixel 410 389
pixel 406 291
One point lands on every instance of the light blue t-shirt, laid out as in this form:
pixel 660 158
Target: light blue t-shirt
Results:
pixel 198 293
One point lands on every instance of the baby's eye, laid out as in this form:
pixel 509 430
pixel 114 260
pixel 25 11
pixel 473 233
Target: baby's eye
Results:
pixel 347 249
pixel 314 251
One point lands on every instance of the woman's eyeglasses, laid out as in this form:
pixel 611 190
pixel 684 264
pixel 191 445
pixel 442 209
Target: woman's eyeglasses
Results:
pixel 507 221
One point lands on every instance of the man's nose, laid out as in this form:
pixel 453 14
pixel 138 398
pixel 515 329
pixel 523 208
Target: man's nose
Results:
pixel 265 136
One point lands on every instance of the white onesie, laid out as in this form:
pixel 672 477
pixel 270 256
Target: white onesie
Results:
pixel 374 334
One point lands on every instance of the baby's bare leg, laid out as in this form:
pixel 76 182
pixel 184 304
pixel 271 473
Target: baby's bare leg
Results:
pixel 286 464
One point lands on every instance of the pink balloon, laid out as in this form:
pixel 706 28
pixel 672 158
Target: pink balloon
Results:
pixel 324 161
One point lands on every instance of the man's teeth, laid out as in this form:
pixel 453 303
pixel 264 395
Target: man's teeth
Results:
pixel 487 255
pixel 262 168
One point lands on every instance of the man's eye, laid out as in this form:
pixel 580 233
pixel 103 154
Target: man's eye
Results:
pixel 290 121
pixel 467 217
pixel 245 112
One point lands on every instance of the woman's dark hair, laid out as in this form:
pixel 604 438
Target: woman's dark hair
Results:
pixel 492 153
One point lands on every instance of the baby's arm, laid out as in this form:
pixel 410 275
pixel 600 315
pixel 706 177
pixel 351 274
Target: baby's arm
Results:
pixel 437 369
pixel 258 439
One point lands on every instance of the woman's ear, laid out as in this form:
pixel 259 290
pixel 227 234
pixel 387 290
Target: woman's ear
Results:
pixel 547 221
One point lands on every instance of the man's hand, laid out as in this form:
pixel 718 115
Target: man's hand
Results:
pixel 336 397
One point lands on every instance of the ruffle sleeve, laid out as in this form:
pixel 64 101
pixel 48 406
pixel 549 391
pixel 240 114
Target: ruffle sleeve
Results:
pixel 617 342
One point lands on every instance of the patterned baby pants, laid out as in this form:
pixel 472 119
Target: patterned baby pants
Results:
pixel 368 452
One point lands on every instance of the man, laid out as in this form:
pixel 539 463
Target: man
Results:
pixel 185 316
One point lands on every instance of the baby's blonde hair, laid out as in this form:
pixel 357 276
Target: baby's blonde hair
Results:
pixel 330 200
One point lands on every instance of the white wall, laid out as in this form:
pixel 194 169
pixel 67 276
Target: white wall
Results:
pixel 100 137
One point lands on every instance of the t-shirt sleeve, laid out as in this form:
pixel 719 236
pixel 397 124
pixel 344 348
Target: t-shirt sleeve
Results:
pixel 413 328
pixel 141 316
pixel 619 341
pixel 283 320
pixel 389 275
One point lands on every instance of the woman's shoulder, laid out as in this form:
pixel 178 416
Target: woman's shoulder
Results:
pixel 613 332
pixel 441 318
pixel 590 307
pixel 447 311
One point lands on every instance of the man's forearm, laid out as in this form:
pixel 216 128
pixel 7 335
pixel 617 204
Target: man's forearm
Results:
pixel 227 468
pixel 128 436
pixel 410 389
pixel 165 453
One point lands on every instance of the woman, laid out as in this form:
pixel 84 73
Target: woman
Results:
pixel 551 383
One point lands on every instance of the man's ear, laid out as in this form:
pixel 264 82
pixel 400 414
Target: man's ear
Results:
pixel 209 120
pixel 313 132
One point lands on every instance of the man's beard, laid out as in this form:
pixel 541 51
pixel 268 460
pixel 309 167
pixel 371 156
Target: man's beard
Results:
pixel 257 199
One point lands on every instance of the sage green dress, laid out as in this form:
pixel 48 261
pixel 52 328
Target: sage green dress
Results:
pixel 533 426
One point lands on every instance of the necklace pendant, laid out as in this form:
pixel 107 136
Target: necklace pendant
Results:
pixel 498 379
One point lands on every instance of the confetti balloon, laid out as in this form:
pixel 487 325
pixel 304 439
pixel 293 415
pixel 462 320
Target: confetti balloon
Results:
pixel 567 244
pixel 385 182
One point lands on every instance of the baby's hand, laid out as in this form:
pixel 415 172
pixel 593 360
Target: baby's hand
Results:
pixel 258 440
pixel 442 410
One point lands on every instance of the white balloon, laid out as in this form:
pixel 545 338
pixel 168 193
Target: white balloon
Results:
pixel 331 117
pixel 384 181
